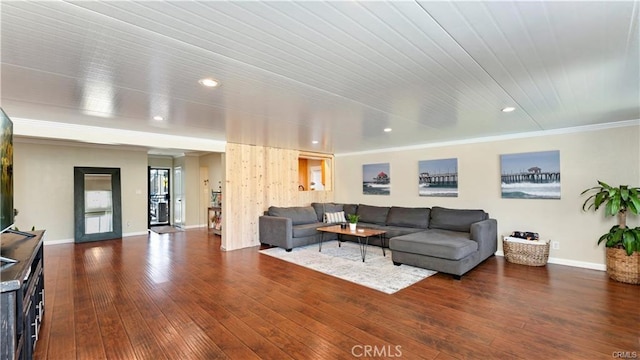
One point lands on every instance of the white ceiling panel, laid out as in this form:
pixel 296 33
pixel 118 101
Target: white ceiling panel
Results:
pixel 564 63
pixel 335 72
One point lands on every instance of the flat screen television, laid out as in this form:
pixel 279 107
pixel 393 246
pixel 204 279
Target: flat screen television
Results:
pixel 6 181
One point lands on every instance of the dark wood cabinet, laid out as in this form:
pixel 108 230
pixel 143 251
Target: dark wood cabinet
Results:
pixel 21 294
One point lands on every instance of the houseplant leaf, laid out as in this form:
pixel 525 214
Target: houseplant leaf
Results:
pixel 353 218
pixel 613 206
pixel 620 201
pixel 624 193
pixel 603 238
pixel 600 198
pixel 629 241
pixel 616 237
pixel 634 200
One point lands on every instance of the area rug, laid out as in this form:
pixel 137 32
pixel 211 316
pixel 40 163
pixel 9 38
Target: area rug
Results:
pixel 345 262
pixel 165 229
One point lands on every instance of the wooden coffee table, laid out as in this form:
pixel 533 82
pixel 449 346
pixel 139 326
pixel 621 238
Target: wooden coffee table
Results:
pixel 363 235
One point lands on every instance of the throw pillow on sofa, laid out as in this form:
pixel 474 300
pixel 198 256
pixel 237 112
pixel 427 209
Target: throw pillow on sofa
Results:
pixel 334 217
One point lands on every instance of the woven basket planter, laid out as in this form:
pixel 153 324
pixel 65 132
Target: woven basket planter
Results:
pixel 623 268
pixel 525 254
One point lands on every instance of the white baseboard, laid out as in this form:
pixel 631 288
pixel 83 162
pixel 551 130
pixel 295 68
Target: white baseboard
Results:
pixel 138 233
pixel 67 241
pixel 580 264
pixel 567 262
pixel 57 242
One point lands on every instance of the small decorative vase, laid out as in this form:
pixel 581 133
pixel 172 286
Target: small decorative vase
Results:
pixel 352 226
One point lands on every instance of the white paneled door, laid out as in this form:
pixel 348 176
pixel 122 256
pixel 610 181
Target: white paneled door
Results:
pixel 178 196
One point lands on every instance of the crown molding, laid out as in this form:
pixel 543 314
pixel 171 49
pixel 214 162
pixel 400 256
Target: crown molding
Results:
pixel 531 134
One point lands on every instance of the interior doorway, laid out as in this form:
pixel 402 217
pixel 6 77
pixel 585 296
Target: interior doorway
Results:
pixel 159 196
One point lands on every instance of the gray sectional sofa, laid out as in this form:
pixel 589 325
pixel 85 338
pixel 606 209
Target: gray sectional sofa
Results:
pixel 452 241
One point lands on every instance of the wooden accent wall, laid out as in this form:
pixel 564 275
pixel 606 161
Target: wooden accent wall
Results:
pixel 255 178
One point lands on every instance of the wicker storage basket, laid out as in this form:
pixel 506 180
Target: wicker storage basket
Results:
pixel 623 268
pixel 526 254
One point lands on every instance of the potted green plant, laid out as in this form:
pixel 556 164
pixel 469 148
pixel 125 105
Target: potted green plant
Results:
pixel 622 242
pixel 353 221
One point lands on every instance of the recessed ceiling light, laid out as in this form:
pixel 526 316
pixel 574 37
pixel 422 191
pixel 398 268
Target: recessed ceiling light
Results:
pixel 208 82
pixel 158 118
pixel 387 129
pixel 508 109
pixel 315 142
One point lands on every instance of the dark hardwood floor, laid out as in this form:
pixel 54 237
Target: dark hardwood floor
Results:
pixel 177 296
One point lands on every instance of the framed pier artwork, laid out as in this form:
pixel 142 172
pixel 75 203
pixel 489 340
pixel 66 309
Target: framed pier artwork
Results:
pixel 376 179
pixel 438 177
pixel 534 175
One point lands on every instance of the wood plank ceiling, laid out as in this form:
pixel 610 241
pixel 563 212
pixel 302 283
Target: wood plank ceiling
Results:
pixel 334 72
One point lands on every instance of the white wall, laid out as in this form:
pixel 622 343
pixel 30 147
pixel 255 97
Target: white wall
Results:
pixel 611 155
pixel 212 172
pixel 213 162
pixel 164 162
pixel 193 192
pixel 43 184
